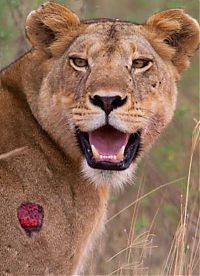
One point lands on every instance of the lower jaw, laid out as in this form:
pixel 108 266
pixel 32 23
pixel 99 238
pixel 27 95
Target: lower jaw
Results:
pixel 105 165
pixel 111 166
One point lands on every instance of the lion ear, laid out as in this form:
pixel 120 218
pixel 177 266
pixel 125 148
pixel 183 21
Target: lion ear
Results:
pixel 48 23
pixel 178 31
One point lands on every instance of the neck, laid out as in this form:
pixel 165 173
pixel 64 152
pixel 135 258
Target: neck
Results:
pixel 12 80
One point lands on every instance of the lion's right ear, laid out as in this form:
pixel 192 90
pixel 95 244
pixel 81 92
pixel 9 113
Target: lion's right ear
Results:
pixel 48 23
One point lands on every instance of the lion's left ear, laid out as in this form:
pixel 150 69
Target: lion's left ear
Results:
pixel 48 23
pixel 178 31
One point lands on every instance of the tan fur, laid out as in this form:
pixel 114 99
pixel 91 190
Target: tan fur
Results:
pixel 43 98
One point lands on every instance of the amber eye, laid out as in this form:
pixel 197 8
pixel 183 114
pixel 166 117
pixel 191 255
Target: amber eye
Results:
pixel 78 62
pixel 141 63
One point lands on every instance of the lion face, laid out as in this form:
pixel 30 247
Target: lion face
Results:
pixel 106 93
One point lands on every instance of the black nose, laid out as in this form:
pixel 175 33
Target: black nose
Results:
pixel 108 103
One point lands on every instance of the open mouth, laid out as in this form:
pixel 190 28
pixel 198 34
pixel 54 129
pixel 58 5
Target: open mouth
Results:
pixel 107 148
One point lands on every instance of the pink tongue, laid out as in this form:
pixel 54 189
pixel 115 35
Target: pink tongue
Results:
pixel 108 140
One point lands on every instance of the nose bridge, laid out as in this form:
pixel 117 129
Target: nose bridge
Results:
pixel 109 79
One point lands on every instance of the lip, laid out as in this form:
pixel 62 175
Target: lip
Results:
pixel 130 153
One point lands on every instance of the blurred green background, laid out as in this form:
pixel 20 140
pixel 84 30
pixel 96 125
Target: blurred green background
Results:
pixel 167 161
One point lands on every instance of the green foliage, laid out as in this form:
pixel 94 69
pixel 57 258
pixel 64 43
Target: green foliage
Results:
pixel 171 211
pixel 14 3
pixel 5 34
pixel 142 223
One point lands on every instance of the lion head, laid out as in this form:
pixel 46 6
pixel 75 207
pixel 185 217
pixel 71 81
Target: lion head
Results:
pixel 105 89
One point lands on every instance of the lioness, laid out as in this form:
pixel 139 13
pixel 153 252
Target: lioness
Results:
pixel 77 112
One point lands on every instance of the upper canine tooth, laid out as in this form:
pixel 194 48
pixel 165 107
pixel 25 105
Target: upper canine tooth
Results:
pixel 95 152
pixel 120 154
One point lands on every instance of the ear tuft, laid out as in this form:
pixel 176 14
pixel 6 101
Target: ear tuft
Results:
pixel 178 31
pixel 48 23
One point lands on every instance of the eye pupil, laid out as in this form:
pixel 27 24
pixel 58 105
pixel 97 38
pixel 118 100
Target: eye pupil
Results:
pixel 79 62
pixel 140 63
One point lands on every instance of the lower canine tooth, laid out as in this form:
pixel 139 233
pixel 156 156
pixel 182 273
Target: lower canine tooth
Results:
pixel 95 152
pixel 120 154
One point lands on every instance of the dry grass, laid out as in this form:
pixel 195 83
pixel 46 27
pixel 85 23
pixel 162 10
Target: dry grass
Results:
pixel 184 258
pixel 184 254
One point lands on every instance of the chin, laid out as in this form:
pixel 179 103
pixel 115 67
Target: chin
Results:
pixel 110 178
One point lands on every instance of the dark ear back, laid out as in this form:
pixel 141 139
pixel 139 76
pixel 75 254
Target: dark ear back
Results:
pixel 51 21
pixel 178 31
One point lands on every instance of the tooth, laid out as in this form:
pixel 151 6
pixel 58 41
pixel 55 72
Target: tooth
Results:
pixel 120 154
pixel 95 152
